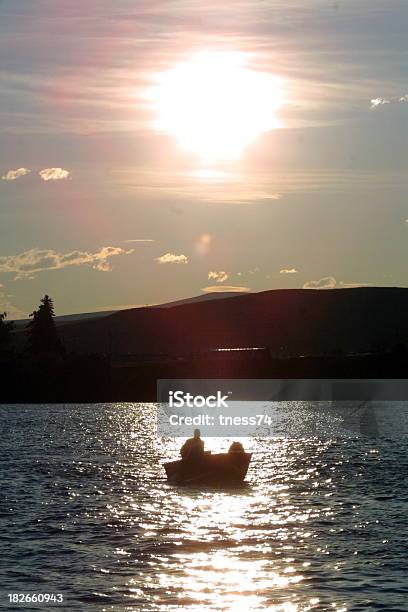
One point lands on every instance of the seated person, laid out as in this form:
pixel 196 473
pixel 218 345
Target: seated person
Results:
pixel 236 447
pixel 193 447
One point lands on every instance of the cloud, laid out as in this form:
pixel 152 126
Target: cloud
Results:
pixel 29 263
pixel 327 282
pixel 172 258
pixel 288 271
pixel 375 102
pixel 13 312
pixel 54 174
pixel 219 277
pixel 93 92
pixel 225 288
pixel 139 240
pixel 344 285
pixel 12 175
pixel 47 174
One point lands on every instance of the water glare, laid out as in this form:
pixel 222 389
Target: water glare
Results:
pixel 88 513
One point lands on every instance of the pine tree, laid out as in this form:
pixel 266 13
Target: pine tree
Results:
pixel 43 337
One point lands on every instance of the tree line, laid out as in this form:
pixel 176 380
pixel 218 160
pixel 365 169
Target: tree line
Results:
pixel 43 371
pixel 42 337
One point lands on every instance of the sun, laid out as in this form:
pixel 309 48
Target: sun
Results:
pixel 215 105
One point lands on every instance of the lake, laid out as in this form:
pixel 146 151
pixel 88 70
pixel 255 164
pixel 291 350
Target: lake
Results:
pixel 85 511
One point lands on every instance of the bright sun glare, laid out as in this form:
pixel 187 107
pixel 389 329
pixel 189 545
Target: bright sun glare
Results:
pixel 214 105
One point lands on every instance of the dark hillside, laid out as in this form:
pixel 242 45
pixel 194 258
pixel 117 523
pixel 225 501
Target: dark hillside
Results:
pixel 289 322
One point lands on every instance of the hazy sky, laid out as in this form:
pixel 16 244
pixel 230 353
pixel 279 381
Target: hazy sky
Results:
pixel 102 210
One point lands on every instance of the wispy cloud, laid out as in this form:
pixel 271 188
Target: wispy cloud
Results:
pixel 329 282
pixel 288 271
pixel 47 174
pixel 7 306
pixel 12 175
pixel 344 285
pixel 226 288
pixel 376 102
pixel 66 66
pixel 219 276
pixel 139 240
pixel 54 174
pixel 29 263
pixel 172 258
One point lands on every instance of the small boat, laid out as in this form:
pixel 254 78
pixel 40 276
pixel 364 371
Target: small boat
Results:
pixel 221 469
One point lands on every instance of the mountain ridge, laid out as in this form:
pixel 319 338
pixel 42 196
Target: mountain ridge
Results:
pixel 287 321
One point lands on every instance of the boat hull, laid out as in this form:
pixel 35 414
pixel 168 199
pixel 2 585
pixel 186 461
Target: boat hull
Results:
pixel 222 469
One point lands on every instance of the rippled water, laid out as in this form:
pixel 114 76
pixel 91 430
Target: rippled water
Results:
pixel 86 511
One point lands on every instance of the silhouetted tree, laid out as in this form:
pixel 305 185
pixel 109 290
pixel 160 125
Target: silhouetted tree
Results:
pixel 5 333
pixel 43 337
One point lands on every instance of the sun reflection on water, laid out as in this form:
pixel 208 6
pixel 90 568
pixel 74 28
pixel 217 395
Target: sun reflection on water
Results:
pixel 313 528
pixel 231 550
pixel 231 547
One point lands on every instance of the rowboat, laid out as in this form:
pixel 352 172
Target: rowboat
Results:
pixel 221 469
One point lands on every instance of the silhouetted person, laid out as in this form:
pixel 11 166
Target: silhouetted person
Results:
pixel 193 447
pixel 236 447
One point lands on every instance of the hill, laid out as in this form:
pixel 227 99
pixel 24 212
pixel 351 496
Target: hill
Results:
pixel 289 322
pixel 69 318
pixel 206 297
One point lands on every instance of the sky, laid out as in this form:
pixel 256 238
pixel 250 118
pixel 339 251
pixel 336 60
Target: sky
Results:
pixel 103 202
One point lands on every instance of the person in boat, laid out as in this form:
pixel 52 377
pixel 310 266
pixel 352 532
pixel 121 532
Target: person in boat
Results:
pixel 193 447
pixel 236 447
